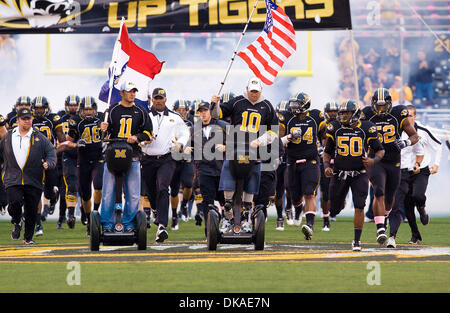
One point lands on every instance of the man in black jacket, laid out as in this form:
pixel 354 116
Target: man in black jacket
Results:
pixel 25 154
pixel 208 136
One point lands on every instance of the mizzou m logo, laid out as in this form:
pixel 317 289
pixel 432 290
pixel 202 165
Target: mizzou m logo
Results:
pixel 41 13
pixel 120 153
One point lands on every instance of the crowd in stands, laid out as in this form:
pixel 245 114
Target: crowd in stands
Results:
pixel 407 75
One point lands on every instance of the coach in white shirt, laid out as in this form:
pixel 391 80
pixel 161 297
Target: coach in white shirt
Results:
pixel 158 165
pixel 432 150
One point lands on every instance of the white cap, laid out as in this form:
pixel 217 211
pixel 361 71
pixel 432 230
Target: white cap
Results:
pixel 254 83
pixel 128 86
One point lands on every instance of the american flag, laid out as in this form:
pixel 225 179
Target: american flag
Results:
pixel 276 43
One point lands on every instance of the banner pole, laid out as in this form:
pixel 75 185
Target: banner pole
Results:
pixel 215 106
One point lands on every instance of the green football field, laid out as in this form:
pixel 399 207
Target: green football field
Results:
pixel 61 262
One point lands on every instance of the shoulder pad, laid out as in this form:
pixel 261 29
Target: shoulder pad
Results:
pixel 56 118
pixel 280 117
pixel 372 129
pixel 72 122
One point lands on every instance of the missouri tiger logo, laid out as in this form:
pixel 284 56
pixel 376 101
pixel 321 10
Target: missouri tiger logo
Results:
pixel 41 13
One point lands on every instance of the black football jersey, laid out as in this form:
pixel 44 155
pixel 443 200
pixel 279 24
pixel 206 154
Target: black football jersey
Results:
pixel 250 120
pixel 72 153
pixel 89 131
pixel 349 145
pixel 125 122
pixel 48 125
pixel 304 147
pixel 389 129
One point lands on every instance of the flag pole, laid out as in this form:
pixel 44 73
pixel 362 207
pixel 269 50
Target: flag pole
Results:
pixel 215 108
pixel 112 67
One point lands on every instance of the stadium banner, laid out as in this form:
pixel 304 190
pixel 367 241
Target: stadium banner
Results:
pixel 163 16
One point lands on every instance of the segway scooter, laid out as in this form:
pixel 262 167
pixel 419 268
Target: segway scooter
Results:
pixel 240 170
pixel 118 157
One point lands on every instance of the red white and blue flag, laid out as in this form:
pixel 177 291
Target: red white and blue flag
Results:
pixel 130 63
pixel 276 43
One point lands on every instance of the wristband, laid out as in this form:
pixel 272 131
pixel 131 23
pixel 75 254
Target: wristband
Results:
pixel 377 158
pixel 408 142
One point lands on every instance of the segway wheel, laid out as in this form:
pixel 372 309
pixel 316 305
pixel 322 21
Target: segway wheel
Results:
pixel 95 232
pixel 259 230
pixel 212 230
pixel 141 221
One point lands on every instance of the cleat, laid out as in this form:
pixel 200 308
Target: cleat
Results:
pixel 307 230
pixel 246 227
pixel 424 218
pixel 39 230
pixel 415 240
pixel 391 243
pixel 59 224
pixel 356 245
pixel 326 228
pixel 381 236
pixel 71 221
pixel 198 220
pixel 226 226
pixel 2 210
pixel 280 224
pixel 15 235
pixel 332 219
pixel 368 220
pixel 174 225
pixel 289 217
pixel 161 234
pixel 297 222
pixel 29 242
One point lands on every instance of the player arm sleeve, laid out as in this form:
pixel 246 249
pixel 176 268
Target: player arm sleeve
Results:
pixel 146 131
pixel 330 145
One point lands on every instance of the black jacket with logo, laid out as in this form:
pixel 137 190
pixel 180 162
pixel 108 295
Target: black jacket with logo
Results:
pixel 33 172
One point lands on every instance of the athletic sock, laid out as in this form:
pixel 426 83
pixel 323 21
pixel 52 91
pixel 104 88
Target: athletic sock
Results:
pixel 279 211
pixel 310 218
pixel 96 206
pixel 358 232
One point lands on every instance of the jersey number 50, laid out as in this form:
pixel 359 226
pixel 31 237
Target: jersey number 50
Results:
pixel 346 145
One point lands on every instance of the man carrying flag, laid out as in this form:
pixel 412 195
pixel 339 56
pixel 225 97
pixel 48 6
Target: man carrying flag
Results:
pixel 268 53
pixel 129 63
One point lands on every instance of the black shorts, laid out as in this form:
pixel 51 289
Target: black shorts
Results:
pixel 90 172
pixel 339 189
pixel 303 179
pixel 70 176
pixel 183 176
pixel 385 179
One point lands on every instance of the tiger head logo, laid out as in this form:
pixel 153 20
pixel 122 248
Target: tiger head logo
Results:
pixel 41 13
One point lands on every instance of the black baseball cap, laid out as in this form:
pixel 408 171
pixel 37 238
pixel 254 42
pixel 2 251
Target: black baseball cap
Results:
pixel 159 92
pixel 24 113
pixel 203 106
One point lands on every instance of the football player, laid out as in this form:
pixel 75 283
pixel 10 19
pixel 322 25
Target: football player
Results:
pixel 299 130
pixel 247 113
pixel 184 171
pixel 348 142
pixel 281 188
pixel 330 113
pixel 50 125
pixel 385 175
pixel 84 129
pixel 11 118
pixel 71 105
